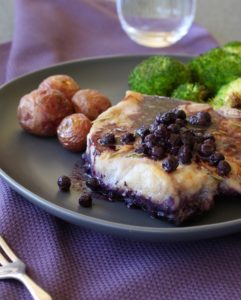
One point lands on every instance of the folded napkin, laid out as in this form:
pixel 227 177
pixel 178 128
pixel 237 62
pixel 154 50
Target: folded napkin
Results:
pixel 75 263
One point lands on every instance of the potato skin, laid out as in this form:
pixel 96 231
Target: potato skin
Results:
pixel 63 83
pixel 91 103
pixel 72 132
pixel 41 111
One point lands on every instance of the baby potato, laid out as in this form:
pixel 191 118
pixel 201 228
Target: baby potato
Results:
pixel 72 132
pixel 91 103
pixel 41 111
pixel 63 83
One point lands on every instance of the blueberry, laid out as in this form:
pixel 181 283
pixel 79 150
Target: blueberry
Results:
pixel 180 122
pixel 206 149
pixel 180 114
pixel 175 140
pixel 108 139
pixel 215 158
pixel 224 168
pixel 92 183
pixel 174 150
pixel 170 164
pixel 209 141
pixel 187 138
pixel 150 140
pixel 153 127
pixel 143 149
pixel 85 200
pixel 64 183
pixel 128 138
pixel 142 131
pixel 174 128
pixel 208 136
pixel 184 130
pixel 185 155
pixel 166 118
pixel 198 136
pixel 201 118
pixel 157 152
pixel 161 131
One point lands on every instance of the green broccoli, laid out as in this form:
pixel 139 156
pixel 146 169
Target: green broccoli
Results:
pixel 229 95
pixel 233 47
pixel 158 75
pixel 215 68
pixel 191 91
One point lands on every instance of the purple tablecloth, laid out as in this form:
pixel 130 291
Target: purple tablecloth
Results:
pixel 74 263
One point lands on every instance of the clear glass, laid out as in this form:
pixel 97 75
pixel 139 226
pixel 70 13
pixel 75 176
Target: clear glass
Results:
pixel 156 23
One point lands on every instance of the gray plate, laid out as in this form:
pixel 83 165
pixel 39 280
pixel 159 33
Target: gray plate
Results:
pixel 31 165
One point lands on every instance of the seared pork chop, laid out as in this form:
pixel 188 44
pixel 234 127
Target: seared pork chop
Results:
pixel 169 177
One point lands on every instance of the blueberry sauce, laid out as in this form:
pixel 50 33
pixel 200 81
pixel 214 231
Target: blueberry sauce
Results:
pixel 177 138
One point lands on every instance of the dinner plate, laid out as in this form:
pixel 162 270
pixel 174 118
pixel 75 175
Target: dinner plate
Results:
pixel 31 164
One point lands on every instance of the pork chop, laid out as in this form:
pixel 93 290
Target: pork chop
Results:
pixel 177 173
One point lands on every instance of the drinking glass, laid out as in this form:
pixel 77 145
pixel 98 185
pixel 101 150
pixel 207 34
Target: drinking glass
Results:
pixel 156 23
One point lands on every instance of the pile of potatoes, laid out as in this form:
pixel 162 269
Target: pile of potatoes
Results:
pixel 60 107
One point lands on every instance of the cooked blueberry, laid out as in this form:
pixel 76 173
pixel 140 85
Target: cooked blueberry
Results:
pixel 209 141
pixel 108 139
pixel 170 163
pixel 187 138
pixel 161 131
pixel 175 140
pixel 193 120
pixel 198 136
pixel 85 200
pixel 142 131
pixel 174 128
pixel 153 127
pixel 92 183
pixel 142 149
pixel 224 168
pixel 180 114
pixel 185 155
pixel 180 122
pixel 215 158
pixel 206 149
pixel 157 152
pixel 128 138
pixel 204 118
pixel 64 183
pixel 150 140
pixel 184 130
pixel 166 118
pixel 201 118
pixel 174 150
pixel 209 136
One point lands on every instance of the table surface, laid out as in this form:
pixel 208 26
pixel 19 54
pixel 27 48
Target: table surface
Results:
pixel 220 17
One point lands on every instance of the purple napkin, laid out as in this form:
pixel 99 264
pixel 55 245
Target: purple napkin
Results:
pixel 74 263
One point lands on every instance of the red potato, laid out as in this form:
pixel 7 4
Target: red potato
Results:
pixel 41 111
pixel 72 132
pixel 63 83
pixel 91 103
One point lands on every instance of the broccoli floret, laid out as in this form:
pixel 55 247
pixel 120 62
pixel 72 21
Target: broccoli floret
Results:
pixel 229 95
pixel 191 91
pixel 158 75
pixel 215 68
pixel 233 47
